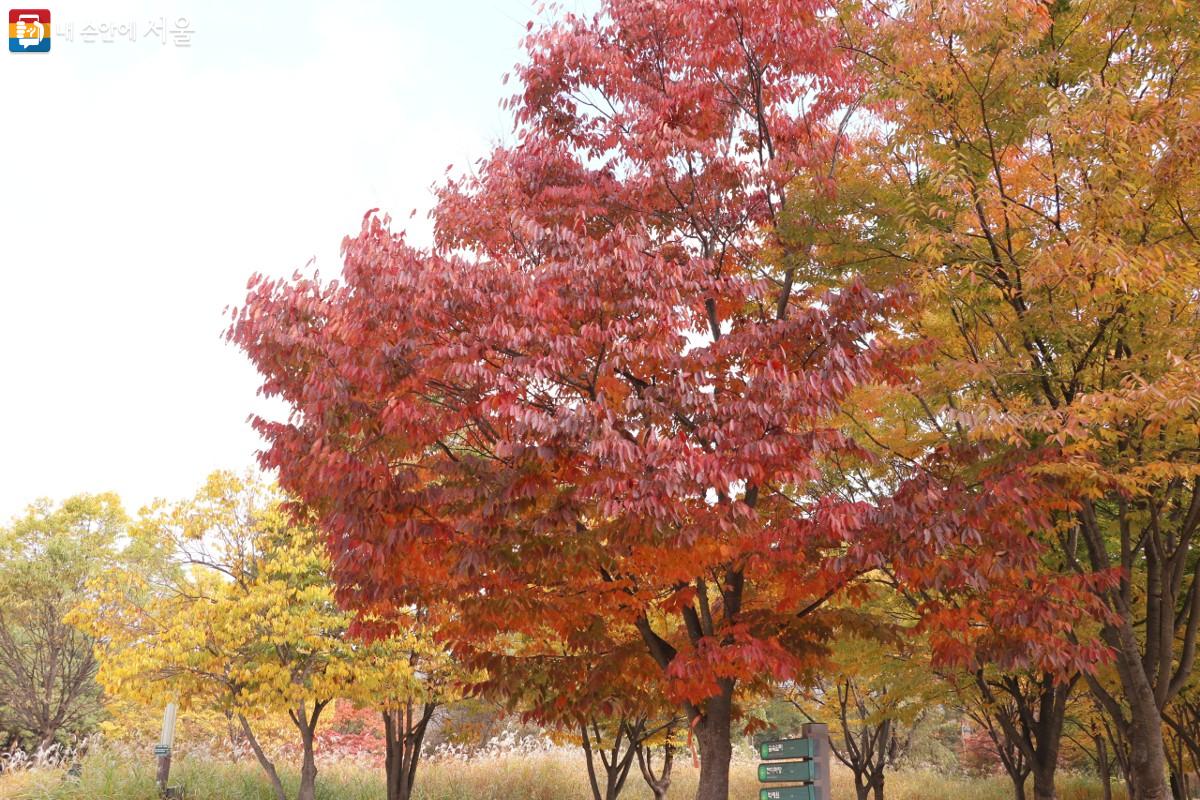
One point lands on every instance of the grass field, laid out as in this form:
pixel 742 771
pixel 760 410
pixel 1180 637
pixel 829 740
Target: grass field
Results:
pixel 546 776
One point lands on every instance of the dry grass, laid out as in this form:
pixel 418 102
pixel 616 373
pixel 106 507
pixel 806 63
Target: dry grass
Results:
pixel 555 775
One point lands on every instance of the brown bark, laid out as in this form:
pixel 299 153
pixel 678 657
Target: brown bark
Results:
pixel 713 733
pixel 1012 757
pixel 659 783
pixel 868 746
pixel 1154 667
pixel 263 761
pixel 1018 785
pixel 710 721
pixel 1043 782
pixel 307 725
pixel 616 760
pixel 1031 722
pixel 1138 720
pixel 1104 766
pixel 404 733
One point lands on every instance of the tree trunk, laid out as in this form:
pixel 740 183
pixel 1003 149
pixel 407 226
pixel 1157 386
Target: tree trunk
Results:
pixel 231 729
pixel 659 784
pixel 615 760
pixel 395 771
pixel 264 762
pixel 1103 765
pixel 307 724
pixel 404 733
pixel 1147 756
pixel 1043 781
pixel 1032 728
pixel 1150 679
pixel 308 772
pixel 711 724
pixel 716 750
pixel 1018 786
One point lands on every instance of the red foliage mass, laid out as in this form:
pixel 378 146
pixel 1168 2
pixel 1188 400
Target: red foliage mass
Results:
pixel 602 412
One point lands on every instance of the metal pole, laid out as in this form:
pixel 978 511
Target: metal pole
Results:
pixel 163 750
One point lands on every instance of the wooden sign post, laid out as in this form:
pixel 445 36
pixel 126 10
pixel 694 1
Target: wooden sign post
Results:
pixel 162 751
pixel 803 761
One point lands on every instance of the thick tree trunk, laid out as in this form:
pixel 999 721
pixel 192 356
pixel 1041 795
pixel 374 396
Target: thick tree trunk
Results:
pixel 404 733
pixel 1152 671
pixel 1043 781
pixel 1052 714
pixel 716 750
pixel 1147 755
pixel 711 725
pixel 399 786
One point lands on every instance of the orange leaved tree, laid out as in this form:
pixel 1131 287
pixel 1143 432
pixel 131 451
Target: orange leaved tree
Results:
pixel 1034 180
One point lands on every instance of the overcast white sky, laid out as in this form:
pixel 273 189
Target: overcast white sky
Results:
pixel 145 182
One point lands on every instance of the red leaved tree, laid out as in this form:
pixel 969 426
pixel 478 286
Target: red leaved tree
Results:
pixel 603 399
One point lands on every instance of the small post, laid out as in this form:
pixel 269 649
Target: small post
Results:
pixel 819 733
pixel 163 750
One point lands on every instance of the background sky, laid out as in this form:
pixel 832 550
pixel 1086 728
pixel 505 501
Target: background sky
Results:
pixel 145 182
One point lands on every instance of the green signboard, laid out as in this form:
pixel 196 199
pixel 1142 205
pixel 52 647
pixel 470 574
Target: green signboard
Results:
pixel 787 771
pixel 787 748
pixel 788 793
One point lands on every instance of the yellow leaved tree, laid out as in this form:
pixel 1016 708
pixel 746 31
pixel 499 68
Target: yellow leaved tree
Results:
pixel 875 691
pixel 239 616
